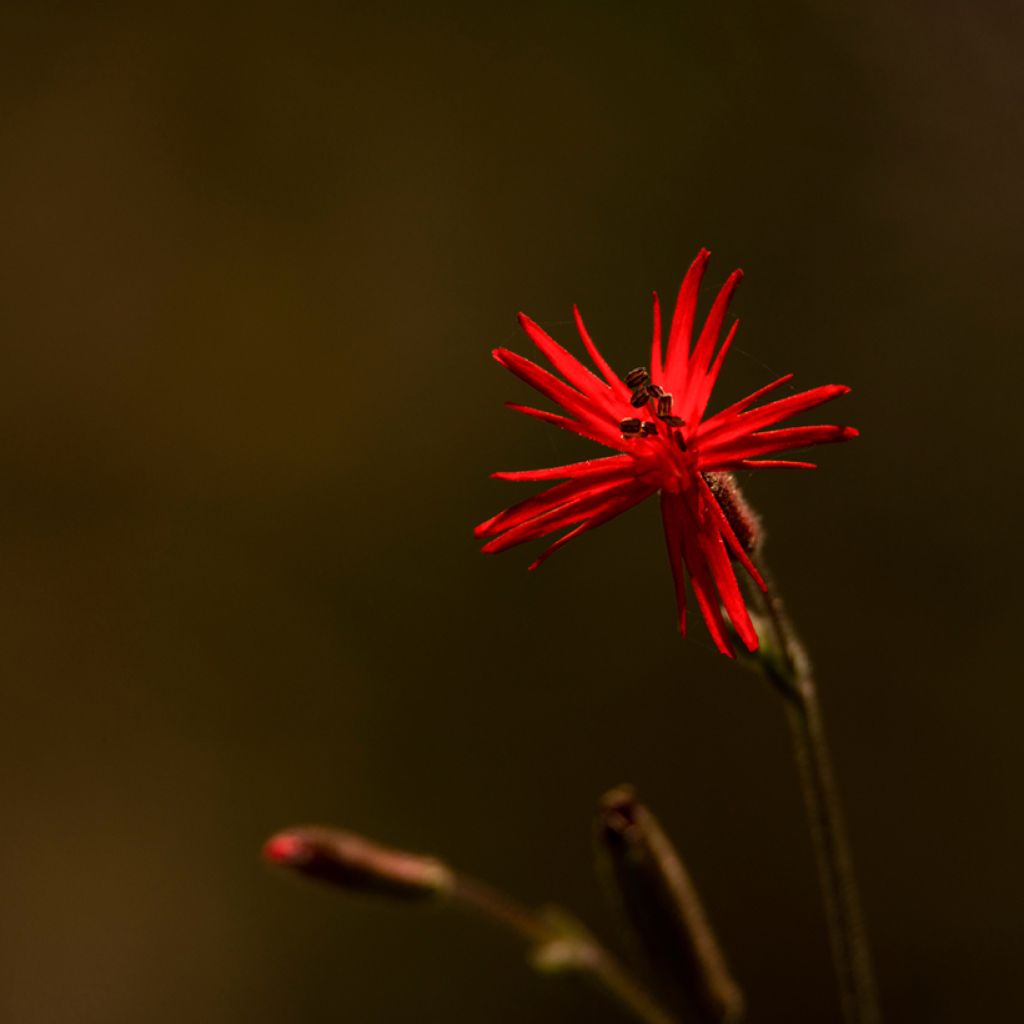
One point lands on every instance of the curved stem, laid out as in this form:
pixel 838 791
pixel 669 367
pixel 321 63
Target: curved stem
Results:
pixel 786 666
pixel 560 945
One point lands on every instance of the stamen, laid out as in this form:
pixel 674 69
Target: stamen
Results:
pixel 673 421
pixel 649 429
pixel 630 426
pixel 664 407
pixel 656 390
pixel 637 378
pixel 679 439
pixel 640 397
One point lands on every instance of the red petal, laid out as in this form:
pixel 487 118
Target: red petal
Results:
pixel 535 505
pixel 723 428
pixel 594 503
pixel 769 441
pixel 764 464
pixel 546 383
pixel 697 397
pixel 552 498
pixel 701 358
pixel 730 534
pixel 601 436
pixel 596 520
pixel 725 581
pixel 620 389
pixel 678 353
pixel 573 469
pixel 564 362
pixel 738 407
pixel 673 520
pixel 705 591
pixel 656 366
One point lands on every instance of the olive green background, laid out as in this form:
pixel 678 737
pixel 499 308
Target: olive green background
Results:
pixel 254 259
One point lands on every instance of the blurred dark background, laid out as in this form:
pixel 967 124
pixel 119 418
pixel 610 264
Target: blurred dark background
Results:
pixel 254 259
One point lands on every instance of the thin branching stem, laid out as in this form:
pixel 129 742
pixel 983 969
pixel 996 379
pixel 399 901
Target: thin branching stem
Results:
pixel 557 947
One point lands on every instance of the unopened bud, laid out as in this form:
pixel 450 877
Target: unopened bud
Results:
pixel 662 905
pixel 745 522
pixel 352 862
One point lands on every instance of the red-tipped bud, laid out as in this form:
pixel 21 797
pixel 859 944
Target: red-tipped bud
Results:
pixel 352 862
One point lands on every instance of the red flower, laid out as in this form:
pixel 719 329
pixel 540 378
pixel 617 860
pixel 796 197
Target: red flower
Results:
pixel 656 421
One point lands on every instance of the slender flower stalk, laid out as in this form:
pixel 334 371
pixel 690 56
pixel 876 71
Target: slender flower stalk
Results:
pixel 558 943
pixel 783 661
pixel 561 944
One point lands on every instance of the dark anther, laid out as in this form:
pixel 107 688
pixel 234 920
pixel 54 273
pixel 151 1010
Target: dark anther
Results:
pixel 638 377
pixel 630 426
pixel 649 429
pixel 673 421
pixel 680 441
pixel 640 397
pixel 664 406
pixel 656 390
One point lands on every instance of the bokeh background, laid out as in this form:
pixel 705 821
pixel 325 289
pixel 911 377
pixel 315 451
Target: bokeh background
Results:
pixel 254 259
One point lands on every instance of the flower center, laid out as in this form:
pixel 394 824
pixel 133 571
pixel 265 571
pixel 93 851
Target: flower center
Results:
pixel 672 463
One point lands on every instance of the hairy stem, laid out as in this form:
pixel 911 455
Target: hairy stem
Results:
pixel 784 663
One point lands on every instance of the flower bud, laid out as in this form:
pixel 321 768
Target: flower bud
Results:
pixel 662 905
pixel 745 522
pixel 352 862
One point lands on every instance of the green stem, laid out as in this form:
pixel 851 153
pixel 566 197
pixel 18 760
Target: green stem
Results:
pixel 784 663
